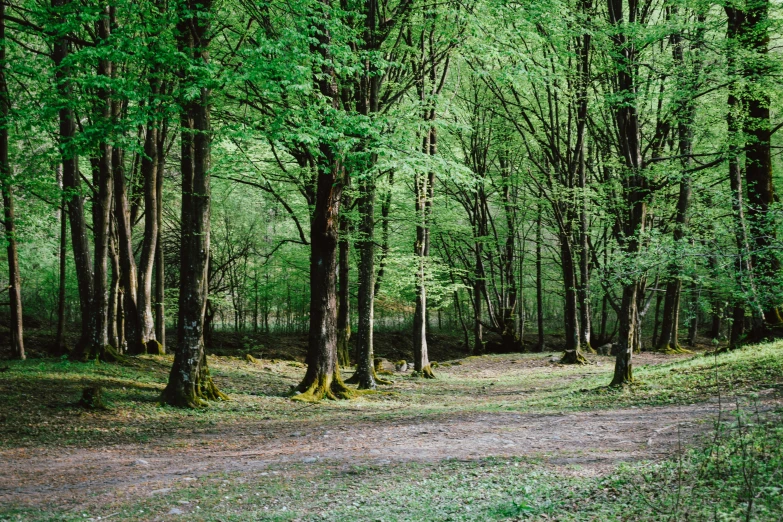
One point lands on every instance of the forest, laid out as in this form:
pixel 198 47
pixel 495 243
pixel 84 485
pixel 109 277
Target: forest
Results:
pixel 278 226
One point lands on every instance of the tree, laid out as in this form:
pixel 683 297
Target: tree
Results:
pixel 6 183
pixel 190 383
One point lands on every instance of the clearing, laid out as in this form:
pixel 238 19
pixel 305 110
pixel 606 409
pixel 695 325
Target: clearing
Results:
pixel 263 456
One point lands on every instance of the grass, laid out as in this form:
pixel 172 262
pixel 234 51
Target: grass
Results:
pixel 41 394
pixel 716 482
pixel 739 470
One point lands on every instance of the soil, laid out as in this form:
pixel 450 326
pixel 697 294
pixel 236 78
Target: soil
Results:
pixel 586 443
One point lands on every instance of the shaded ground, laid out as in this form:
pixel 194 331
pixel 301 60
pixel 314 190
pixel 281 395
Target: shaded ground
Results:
pixel 521 406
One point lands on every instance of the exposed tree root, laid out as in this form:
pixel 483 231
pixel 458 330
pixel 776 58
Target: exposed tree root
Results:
pixel 425 372
pixel 323 387
pixel 153 347
pixel 193 395
pixel 573 357
pixel 672 349
pixel 588 348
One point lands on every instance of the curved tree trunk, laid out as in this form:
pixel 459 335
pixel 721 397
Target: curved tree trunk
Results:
pixel 149 172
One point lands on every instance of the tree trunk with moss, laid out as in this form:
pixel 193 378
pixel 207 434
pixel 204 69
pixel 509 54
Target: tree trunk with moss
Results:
pixel 635 185
pixel 322 379
pixel 190 383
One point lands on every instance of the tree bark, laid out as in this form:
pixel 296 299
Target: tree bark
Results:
pixel 322 379
pixel 634 182
pixel 128 274
pixel 424 192
pixel 99 346
pixel 344 298
pixel 539 282
pixel 6 182
pixel 149 172
pixel 189 381
pixel 59 340
pixel 72 186
pixel 160 281
pixel 758 156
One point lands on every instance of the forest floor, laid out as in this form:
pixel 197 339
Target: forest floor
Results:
pixel 496 437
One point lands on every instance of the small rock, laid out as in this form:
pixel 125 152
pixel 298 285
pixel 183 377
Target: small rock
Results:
pixel 176 511
pixel 141 462
pixel 310 460
pixel 183 501
pixel 160 491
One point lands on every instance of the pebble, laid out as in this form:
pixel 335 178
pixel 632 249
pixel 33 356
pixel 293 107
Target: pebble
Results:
pixel 141 462
pixel 176 511
pixel 310 460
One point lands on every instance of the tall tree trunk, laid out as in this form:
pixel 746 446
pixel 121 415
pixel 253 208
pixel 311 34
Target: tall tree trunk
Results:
pixel 573 353
pixel 758 156
pixel 539 282
pixel 72 186
pixel 160 281
pixel 59 341
pixel 102 204
pixel 6 182
pixel 687 82
pixel 634 182
pixel 322 378
pixel 344 297
pixel 746 293
pixel 113 316
pixel 365 375
pixel 128 275
pixel 189 381
pixel 511 339
pixel 585 318
pixel 424 191
pixel 149 172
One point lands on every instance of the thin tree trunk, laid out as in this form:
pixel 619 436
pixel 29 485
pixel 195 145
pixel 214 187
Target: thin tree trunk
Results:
pixel 113 316
pixel 344 298
pixel 573 353
pixel 128 276
pixel 6 182
pixel 149 172
pixel 59 341
pixel 635 185
pixel 102 204
pixel 539 283
pixel 160 281
pixel 424 189
pixel 72 187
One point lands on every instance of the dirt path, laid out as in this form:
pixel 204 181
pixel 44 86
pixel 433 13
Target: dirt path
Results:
pixel 584 443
